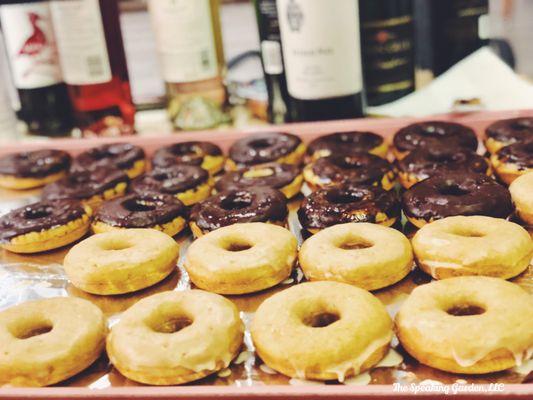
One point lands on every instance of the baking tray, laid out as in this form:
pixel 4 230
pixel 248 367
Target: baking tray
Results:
pixel 24 277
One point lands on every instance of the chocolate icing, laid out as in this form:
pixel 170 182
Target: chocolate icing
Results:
pixel 263 148
pixel 282 175
pixel 347 203
pixel 357 169
pixel 38 217
pixel 427 162
pixel 141 210
pixel 83 185
pixel 456 193
pixel 259 204
pixel 119 155
pixel 345 143
pixel 511 130
pixel 35 164
pixel 519 153
pixel 190 153
pixel 434 133
pixel 171 180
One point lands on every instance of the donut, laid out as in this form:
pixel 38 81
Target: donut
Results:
pixel 32 169
pixel 454 193
pixel 357 169
pixel 43 342
pixel 321 330
pixel 154 211
pixel 255 204
pixel 427 162
pixel 349 203
pixel 433 133
pixel 366 255
pixel 172 338
pixel 241 258
pixel 189 183
pixel 263 148
pixel 124 156
pixel 347 143
pixel 521 192
pixel 474 245
pixel 512 161
pixel 202 154
pixel 467 324
pixel 508 131
pixel 285 177
pixel 43 226
pixel 91 187
pixel 121 261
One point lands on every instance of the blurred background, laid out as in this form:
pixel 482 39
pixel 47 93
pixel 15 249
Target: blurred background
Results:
pixel 112 68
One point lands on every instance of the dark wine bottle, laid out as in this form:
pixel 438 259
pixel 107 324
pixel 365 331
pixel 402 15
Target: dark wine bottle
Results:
pixel 32 54
pixel 322 54
pixel 387 38
pixel 272 59
pixel 93 61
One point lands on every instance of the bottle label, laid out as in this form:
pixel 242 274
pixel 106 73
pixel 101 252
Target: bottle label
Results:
pixel 272 59
pixel 321 48
pixel 81 41
pixel 185 39
pixel 388 54
pixel 31 45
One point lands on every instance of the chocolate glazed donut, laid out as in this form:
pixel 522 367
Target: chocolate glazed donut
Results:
pixel 433 133
pixel 455 193
pixel 263 148
pixel 347 143
pixel 514 160
pixel 123 156
pixel 255 204
pixel 348 203
pixel 508 131
pixel 427 162
pixel 190 153
pixel 356 169
pixel 35 164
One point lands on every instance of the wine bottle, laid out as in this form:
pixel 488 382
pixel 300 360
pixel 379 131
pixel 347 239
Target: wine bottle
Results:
pixel 32 54
pixel 189 43
pixel 272 60
pixel 92 57
pixel 387 38
pixel 8 120
pixel 322 54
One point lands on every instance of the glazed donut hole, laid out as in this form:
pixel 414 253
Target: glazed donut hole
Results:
pixel 452 189
pixel 344 196
pixel 167 319
pixel 461 306
pixel 237 201
pixel 352 241
pixel 317 313
pixel 235 243
pixel 29 326
pixel 116 244
pixel 141 205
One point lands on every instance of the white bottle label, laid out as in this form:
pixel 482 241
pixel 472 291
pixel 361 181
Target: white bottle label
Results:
pixel 81 41
pixel 321 47
pixel 185 39
pixel 31 45
pixel 272 59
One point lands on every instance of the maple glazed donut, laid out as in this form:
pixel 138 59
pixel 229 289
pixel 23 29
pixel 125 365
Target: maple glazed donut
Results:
pixel 349 203
pixel 263 148
pixel 508 131
pixel 202 154
pixel 152 211
pixel 474 245
pixel 43 226
pixel 433 133
pixel 121 261
pixel 321 330
pixel 356 169
pixel 32 169
pixel 366 255
pixel 43 342
pixel 521 192
pixel 513 161
pixel 287 178
pixel 241 258
pixel 189 183
pixel 467 324
pixel 174 337
pixel 347 143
